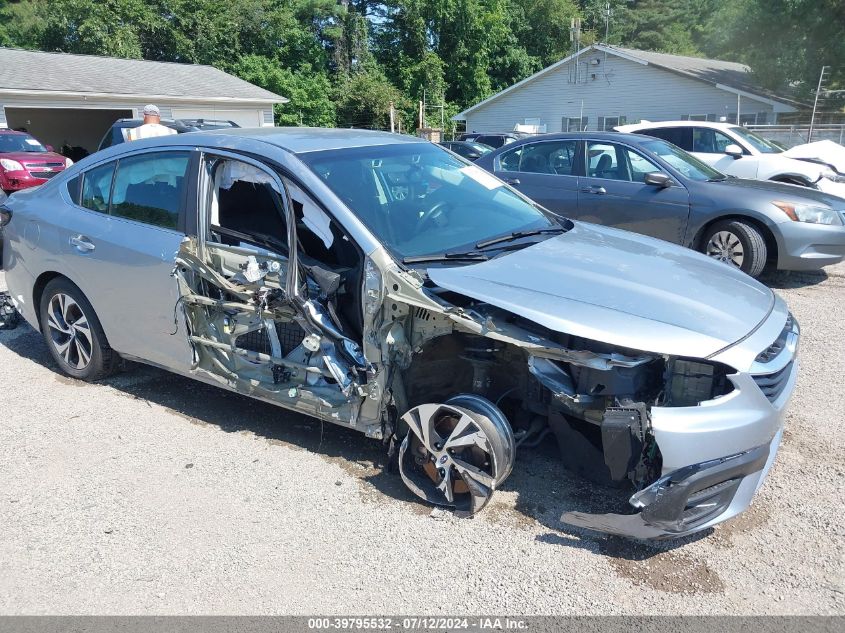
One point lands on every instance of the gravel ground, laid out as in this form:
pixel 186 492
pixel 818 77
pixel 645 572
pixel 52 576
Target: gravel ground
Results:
pixel 154 494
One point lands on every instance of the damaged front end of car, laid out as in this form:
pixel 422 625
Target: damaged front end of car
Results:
pixel 455 373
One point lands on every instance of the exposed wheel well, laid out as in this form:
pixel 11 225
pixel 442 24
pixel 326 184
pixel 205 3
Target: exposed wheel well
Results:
pixel 38 290
pixel 791 179
pixel 765 231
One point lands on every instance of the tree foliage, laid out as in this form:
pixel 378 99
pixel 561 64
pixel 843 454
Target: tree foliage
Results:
pixel 343 61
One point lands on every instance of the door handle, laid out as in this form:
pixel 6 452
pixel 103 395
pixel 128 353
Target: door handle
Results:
pixel 513 182
pixel 82 244
pixel 594 189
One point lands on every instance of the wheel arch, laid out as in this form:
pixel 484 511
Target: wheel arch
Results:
pixel 792 179
pixel 764 229
pixel 38 290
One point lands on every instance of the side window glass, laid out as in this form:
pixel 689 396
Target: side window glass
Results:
pixel 96 188
pixel 148 188
pixel 703 140
pixel 722 141
pixel 509 161
pixel 246 207
pixel 553 157
pixel 639 166
pixel 603 162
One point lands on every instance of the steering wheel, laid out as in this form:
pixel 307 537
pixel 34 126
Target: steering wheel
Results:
pixel 431 213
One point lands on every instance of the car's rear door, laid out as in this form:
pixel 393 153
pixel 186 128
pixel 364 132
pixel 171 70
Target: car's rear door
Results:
pixel 121 244
pixel 613 193
pixel 545 171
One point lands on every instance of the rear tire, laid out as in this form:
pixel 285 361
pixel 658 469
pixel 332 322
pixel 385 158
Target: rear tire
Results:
pixel 73 332
pixel 737 244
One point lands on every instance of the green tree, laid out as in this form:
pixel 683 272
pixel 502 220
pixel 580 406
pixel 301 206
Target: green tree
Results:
pixel 310 93
pixel 363 99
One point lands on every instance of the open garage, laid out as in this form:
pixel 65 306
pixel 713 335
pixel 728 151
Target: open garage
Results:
pixel 69 101
pixel 65 127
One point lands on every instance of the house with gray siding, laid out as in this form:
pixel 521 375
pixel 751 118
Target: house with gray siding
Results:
pixel 603 86
pixel 67 99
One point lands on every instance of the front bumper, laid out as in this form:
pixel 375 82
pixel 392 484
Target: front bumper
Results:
pixel 690 499
pixel 805 246
pixel 715 455
pixel 17 180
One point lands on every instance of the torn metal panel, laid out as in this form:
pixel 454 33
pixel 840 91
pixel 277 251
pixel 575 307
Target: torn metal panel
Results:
pixel 9 316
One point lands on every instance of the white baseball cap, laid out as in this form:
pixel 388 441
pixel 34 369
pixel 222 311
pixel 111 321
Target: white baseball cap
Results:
pixel 151 110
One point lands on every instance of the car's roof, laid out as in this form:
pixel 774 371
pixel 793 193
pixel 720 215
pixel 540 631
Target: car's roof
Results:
pixel 300 140
pixel 593 136
pixel 658 124
pixel 15 132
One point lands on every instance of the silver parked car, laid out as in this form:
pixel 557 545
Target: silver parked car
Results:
pixel 455 323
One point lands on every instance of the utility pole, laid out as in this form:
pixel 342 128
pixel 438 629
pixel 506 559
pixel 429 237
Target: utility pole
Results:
pixel 816 103
pixel 608 13
pixel 392 119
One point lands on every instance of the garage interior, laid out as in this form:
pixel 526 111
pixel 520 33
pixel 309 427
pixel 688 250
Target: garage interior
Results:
pixel 59 127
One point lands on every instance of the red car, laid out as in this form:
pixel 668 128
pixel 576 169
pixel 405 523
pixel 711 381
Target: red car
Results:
pixel 25 162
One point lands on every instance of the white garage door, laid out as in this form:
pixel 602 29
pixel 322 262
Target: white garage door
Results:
pixel 244 118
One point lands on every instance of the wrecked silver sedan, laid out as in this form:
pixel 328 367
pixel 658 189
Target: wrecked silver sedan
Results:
pixel 383 284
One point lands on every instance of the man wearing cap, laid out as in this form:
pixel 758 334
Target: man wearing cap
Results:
pixel 152 126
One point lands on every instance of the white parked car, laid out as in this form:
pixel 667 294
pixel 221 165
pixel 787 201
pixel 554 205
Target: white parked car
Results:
pixel 737 151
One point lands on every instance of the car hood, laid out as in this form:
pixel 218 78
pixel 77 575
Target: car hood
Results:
pixel 827 152
pixel 770 190
pixel 620 288
pixel 33 158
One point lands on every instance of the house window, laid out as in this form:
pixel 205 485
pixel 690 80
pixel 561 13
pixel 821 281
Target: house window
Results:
pixel 574 124
pixel 607 123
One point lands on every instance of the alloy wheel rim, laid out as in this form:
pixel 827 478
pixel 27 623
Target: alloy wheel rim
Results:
pixel 70 331
pixel 726 247
pixel 447 459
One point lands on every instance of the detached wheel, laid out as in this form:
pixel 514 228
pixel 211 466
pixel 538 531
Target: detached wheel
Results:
pixel 738 244
pixel 457 453
pixel 73 333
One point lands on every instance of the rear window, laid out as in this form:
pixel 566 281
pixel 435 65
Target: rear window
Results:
pixel 680 136
pixel 148 188
pixel 96 188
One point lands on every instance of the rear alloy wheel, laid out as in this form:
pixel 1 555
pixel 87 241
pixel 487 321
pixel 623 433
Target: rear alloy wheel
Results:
pixel 738 244
pixel 457 453
pixel 73 333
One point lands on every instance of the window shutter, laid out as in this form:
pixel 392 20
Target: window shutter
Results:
pixel 585 121
pixel 601 124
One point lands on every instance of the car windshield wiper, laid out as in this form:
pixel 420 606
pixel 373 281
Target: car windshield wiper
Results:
pixel 446 257
pixel 517 235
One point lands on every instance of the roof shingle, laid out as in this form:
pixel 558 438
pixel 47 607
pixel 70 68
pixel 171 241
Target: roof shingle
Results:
pixel 66 72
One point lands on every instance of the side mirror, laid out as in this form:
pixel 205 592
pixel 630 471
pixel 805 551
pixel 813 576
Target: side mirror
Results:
pixel 473 156
pixel 49 148
pixel 658 179
pixel 733 150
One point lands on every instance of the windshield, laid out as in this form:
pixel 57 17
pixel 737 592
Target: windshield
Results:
pixel 757 142
pixel 683 162
pixel 418 199
pixel 19 143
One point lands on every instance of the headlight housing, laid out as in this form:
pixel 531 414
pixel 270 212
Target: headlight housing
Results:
pixel 810 213
pixel 10 165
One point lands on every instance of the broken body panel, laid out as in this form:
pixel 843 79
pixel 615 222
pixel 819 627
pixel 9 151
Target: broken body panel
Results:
pixel 613 342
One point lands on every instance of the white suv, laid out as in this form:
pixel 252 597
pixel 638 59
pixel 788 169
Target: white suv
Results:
pixel 737 151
